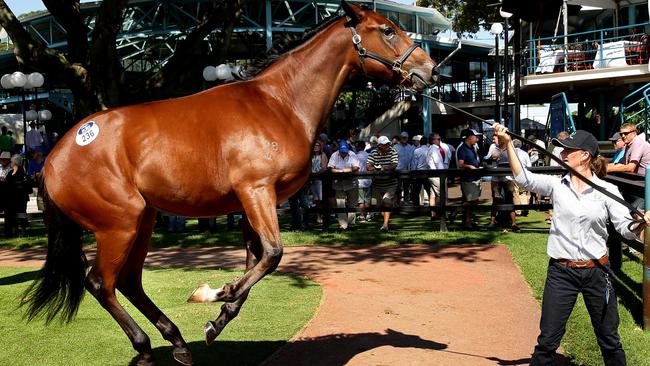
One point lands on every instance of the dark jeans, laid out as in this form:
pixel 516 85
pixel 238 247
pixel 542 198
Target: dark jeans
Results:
pixel 208 224
pixel 418 183
pixel 299 204
pixel 403 190
pixel 12 211
pixel 560 293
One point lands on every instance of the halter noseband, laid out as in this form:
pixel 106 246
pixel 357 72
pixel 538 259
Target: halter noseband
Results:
pixel 396 65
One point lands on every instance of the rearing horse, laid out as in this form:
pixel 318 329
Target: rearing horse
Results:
pixel 243 146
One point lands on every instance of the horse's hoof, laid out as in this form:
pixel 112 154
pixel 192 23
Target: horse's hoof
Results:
pixel 210 332
pixel 200 294
pixel 183 356
pixel 145 361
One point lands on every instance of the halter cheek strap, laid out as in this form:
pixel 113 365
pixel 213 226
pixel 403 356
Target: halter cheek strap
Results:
pixel 396 65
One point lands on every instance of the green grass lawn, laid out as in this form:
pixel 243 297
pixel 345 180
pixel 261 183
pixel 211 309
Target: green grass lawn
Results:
pixel 277 308
pixel 528 249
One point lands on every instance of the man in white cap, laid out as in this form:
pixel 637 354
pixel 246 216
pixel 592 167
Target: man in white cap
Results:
pixel 416 141
pixel 404 157
pixel 383 188
pixel 420 161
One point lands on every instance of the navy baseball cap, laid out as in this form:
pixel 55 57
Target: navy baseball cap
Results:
pixel 581 140
pixel 469 132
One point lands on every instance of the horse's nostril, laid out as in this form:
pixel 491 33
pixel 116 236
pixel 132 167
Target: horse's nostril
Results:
pixel 434 73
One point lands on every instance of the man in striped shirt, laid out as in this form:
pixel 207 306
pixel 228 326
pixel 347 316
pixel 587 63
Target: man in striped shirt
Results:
pixel 384 159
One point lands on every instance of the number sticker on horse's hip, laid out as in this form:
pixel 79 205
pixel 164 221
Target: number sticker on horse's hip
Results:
pixel 87 133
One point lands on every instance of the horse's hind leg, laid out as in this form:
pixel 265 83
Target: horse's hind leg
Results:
pixel 230 310
pixel 130 285
pixel 112 252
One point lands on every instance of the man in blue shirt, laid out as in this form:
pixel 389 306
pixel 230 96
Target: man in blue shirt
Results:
pixel 468 158
pixel 619 146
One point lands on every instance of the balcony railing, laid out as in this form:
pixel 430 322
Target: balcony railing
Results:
pixel 470 91
pixel 597 49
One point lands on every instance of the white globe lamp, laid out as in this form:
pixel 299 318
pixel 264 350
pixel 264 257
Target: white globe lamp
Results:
pixel 210 73
pixel 496 28
pixel 18 79
pixel 44 115
pixel 36 79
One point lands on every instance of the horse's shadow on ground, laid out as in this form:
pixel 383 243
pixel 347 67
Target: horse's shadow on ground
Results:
pixel 330 350
pixel 18 278
pixel 335 349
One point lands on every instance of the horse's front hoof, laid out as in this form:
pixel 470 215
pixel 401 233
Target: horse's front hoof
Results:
pixel 183 356
pixel 211 332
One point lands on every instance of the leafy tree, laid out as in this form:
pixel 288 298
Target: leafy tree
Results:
pixel 468 16
pixel 92 68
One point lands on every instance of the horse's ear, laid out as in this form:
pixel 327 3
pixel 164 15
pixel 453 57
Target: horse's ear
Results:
pixel 351 12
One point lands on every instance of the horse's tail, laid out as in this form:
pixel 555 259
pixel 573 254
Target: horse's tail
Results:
pixel 59 285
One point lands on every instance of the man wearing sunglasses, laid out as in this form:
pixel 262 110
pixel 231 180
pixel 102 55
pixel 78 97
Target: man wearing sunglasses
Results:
pixel 637 152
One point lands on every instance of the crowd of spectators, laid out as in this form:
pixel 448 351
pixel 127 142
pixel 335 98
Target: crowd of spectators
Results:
pixel 20 174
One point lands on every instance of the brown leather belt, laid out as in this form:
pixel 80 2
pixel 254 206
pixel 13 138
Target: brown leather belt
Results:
pixel 584 264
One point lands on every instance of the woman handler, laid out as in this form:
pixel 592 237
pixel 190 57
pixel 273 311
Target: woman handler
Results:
pixel 576 245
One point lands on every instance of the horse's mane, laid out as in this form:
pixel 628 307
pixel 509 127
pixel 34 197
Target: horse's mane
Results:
pixel 283 46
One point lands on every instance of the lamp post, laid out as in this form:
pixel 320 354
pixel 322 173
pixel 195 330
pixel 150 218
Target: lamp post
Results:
pixel 496 29
pixel 19 80
pixel 506 75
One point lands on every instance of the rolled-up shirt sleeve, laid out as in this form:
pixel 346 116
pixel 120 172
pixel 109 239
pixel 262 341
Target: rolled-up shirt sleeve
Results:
pixel 619 215
pixel 538 183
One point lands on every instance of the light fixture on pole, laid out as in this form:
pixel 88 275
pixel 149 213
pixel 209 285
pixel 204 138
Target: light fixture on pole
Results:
pixel 506 75
pixel 19 80
pixel 496 29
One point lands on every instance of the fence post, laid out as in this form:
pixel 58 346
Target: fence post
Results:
pixel 646 260
pixel 327 182
pixel 442 213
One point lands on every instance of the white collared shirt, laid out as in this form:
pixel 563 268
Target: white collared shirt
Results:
pixel 434 159
pixel 338 162
pixel 579 224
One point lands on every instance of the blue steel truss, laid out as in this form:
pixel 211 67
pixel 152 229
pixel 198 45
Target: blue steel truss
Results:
pixel 152 29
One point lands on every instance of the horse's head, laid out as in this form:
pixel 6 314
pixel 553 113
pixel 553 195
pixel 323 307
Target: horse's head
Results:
pixel 385 51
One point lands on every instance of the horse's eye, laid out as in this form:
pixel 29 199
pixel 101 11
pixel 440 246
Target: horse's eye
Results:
pixel 388 32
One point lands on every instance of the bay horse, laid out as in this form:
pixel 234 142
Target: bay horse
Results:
pixel 242 146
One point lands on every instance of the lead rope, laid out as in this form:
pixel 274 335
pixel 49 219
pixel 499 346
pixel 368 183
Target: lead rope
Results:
pixel 637 216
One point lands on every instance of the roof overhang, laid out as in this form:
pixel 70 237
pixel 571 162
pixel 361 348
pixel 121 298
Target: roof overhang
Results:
pixel 429 15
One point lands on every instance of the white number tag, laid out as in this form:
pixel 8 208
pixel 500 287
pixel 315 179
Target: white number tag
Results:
pixel 87 133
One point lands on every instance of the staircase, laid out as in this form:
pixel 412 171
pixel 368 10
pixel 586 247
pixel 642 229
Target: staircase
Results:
pixel 559 117
pixel 634 109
